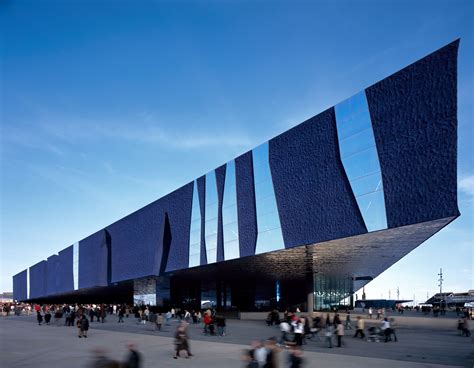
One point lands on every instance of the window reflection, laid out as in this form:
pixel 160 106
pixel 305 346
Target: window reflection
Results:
pixel 360 159
pixel 195 231
pixel 229 214
pixel 75 265
pixel 210 230
pixel 269 237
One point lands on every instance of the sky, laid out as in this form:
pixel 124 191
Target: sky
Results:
pixel 106 106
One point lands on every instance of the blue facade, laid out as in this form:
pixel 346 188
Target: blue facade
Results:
pixel 414 115
pixel 314 198
pixel 20 285
pixel 38 280
pixel 302 187
pixel 93 261
pixel 65 275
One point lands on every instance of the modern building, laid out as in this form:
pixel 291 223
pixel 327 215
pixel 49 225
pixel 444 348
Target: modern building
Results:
pixel 451 300
pixel 306 218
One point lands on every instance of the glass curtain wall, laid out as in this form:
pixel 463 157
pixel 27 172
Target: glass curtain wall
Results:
pixel 332 291
pixel 269 237
pixel 360 159
pixel 211 217
pixel 75 265
pixel 195 231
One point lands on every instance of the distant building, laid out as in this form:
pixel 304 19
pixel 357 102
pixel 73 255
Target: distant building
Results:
pixel 379 303
pixel 6 297
pixel 450 299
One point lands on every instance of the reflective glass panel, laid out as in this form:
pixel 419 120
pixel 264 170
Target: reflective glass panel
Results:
pixel 211 217
pixel 195 231
pixel 269 237
pixel 75 265
pixel 372 207
pixel 28 283
pixel 229 214
pixel 360 159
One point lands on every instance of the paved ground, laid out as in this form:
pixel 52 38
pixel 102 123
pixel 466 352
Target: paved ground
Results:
pixel 431 343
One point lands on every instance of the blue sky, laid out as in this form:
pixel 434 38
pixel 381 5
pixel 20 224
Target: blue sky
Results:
pixel 107 106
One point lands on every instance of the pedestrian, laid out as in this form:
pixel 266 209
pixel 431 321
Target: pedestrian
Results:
pixel 298 329
pixel 360 328
pixel 272 360
pixel 39 317
pixel 134 357
pixel 168 316
pixel 220 322
pixel 386 329
pixel 296 357
pixel 328 333
pixel 159 321
pixel 181 341
pixel 84 325
pixel 47 317
pixel 121 313
pixel 370 312
pixel 339 333
pixel 348 325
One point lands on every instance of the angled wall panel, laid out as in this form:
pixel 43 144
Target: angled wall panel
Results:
pixel 136 239
pixel 415 126
pixel 38 280
pixel 65 270
pixel 220 181
pixel 178 208
pixel 314 198
pixel 20 285
pixel 52 276
pixel 246 210
pixel 93 261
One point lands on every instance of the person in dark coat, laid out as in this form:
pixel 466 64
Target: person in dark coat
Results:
pixel 47 317
pixel 84 325
pixel 181 341
pixel 134 357
pixel 39 317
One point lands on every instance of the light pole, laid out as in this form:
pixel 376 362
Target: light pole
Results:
pixel 440 274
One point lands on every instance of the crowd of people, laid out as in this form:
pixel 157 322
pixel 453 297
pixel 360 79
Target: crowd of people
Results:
pixel 296 329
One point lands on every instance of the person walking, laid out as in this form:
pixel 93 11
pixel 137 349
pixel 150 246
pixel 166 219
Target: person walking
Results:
pixel 348 325
pixel 159 321
pixel 134 358
pixel 370 312
pixel 328 333
pixel 339 333
pixel 39 317
pixel 84 325
pixel 181 341
pixel 386 329
pixel 360 328
pixel 121 313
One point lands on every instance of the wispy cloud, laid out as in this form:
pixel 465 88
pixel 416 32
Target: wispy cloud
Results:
pixel 466 185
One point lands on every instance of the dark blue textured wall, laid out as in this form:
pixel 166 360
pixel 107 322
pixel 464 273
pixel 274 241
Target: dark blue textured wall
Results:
pixel 220 180
pixel 38 280
pixel 65 280
pixel 178 206
pixel 52 275
pixel 19 286
pixel 135 242
pixel 201 184
pixel 93 261
pixel 415 126
pixel 314 198
pixel 246 210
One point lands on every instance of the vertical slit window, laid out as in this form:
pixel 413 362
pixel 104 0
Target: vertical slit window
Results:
pixel 195 231
pixel 269 236
pixel 211 217
pixel 360 159
pixel 75 265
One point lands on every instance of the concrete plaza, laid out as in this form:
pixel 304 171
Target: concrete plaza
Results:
pixel 422 342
